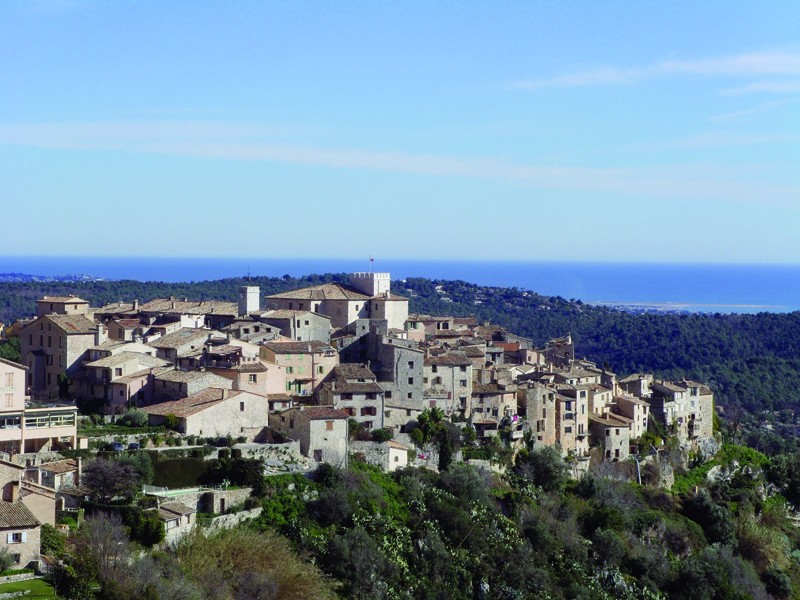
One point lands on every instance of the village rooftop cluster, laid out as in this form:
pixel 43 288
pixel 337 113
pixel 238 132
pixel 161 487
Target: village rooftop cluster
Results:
pixel 310 365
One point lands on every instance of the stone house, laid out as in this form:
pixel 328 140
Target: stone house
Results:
pixel 121 379
pixel 299 325
pixel 54 345
pixel 215 412
pixel 389 456
pixel 572 425
pixel 178 520
pixel 491 403
pixel 701 409
pixel 354 390
pixel 305 365
pixel 635 409
pixel 367 296
pixel 182 343
pixel 537 401
pixel 171 384
pixel 669 405
pixel 321 430
pixel 451 374
pixel 20 534
pixel 612 434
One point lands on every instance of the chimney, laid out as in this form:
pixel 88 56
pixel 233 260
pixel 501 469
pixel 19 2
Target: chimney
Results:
pixel 136 304
pixel 79 472
pixel 224 393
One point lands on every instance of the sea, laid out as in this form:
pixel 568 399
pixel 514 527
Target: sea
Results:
pixel 639 287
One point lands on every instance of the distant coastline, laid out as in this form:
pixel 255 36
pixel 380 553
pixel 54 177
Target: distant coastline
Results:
pixel 636 287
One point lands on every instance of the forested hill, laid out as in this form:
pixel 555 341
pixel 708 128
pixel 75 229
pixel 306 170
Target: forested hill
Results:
pixel 752 360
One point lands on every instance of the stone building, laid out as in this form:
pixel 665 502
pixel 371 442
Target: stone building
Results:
pixel 366 297
pixel 321 430
pixel 52 346
pixel 215 412
pixel 354 390
pixel 305 365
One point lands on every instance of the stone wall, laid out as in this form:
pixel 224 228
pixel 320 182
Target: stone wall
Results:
pixel 230 521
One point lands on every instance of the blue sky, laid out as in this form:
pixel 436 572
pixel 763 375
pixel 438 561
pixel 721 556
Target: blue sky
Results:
pixel 610 131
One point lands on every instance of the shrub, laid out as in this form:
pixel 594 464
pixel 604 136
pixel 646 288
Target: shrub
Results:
pixel 134 418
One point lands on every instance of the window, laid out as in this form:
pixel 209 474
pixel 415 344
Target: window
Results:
pixel 411 364
pixel 463 383
pixel 252 378
pixel 17 537
pixel 122 392
pixel 300 306
pixel 9 399
pixel 347 396
pixel 9 379
pixel 291 423
pixel 49 360
pixel 306 322
pixel 410 381
pixel 241 406
pixel 367 424
pixel 387 394
pixel 463 368
pixel 408 412
pixel 118 372
pixel 320 369
pixel 289 370
pixel 49 341
pixel 567 429
pixel 433 368
pixel 410 395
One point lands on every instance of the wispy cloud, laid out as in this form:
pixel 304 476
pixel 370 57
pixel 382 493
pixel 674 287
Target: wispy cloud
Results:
pixel 243 142
pixel 758 64
pixel 773 87
pixel 765 107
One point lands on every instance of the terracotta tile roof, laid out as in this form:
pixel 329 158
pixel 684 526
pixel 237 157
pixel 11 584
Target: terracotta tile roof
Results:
pixel 144 360
pixel 73 323
pixel 128 323
pixel 190 307
pixel 60 466
pixel 611 420
pixel 16 514
pixel 193 404
pixel 296 347
pixel 355 388
pixel 184 335
pixel 176 508
pixel 347 371
pixel 323 413
pixel 186 376
pixel 449 360
pixel 283 314
pixel 326 291
pixel 68 299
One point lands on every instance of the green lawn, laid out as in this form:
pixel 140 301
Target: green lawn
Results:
pixel 39 588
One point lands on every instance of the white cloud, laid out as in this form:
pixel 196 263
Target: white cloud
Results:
pixel 765 107
pixel 773 87
pixel 744 65
pixel 242 142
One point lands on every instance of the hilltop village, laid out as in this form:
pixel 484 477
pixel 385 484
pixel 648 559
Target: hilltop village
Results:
pixel 334 371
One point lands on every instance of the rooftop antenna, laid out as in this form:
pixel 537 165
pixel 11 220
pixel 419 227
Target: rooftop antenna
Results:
pixel 371 260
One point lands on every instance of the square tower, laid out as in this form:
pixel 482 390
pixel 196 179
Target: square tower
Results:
pixel 371 284
pixel 249 299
